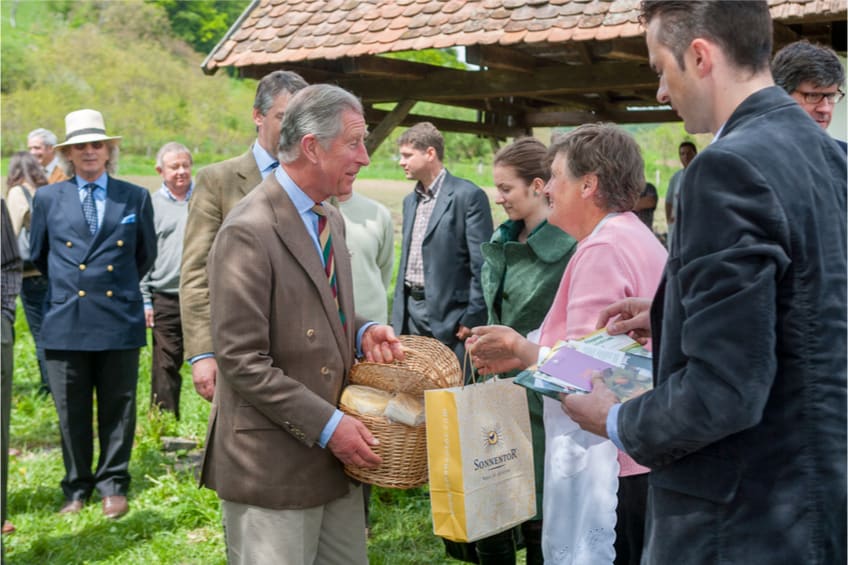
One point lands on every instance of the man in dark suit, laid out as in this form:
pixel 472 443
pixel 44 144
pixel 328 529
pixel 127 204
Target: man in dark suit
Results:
pixel 745 430
pixel 217 189
pixel 285 337
pixel 93 236
pixel 813 76
pixel 445 221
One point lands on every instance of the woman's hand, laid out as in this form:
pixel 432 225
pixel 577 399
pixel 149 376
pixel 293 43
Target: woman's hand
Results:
pixel 498 349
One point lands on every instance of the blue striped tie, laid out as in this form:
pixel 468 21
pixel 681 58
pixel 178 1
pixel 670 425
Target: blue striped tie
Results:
pixel 89 210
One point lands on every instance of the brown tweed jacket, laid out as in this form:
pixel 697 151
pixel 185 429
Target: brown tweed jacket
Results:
pixel 217 188
pixel 283 355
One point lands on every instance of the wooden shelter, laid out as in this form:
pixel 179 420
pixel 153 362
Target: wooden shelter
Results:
pixel 534 63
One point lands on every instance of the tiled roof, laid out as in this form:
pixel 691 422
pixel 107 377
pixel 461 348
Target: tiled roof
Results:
pixel 292 31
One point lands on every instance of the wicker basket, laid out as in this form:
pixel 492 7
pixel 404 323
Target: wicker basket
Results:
pixel 427 364
pixel 402 448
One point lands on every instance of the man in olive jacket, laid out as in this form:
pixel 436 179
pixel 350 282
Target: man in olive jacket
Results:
pixel 217 189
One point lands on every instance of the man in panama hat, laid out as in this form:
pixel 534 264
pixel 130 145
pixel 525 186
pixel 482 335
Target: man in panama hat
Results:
pixel 93 236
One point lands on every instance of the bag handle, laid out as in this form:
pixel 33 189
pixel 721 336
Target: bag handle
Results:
pixel 25 190
pixel 466 361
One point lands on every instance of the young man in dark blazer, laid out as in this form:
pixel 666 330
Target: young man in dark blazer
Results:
pixel 445 221
pixel 745 429
pixel 93 236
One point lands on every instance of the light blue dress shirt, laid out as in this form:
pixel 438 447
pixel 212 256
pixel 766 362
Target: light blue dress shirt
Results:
pixel 303 204
pixel 266 162
pixel 99 194
pixel 612 426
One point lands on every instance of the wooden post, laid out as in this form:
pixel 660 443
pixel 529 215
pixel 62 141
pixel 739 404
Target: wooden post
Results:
pixel 390 122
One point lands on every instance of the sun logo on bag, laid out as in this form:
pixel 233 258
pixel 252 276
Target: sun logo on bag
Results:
pixel 492 436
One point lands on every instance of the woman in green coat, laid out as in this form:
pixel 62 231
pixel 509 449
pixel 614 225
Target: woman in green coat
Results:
pixel 523 265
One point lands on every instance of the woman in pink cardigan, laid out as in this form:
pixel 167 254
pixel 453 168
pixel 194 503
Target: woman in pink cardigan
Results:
pixel 598 174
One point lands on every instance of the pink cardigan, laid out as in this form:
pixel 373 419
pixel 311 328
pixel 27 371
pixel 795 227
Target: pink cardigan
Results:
pixel 620 259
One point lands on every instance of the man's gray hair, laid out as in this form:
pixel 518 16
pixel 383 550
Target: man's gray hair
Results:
pixel 45 135
pixel 172 147
pixel 314 110
pixel 804 61
pixel 111 164
pixel 272 85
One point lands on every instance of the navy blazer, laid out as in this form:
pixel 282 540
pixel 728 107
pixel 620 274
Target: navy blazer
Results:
pixel 94 299
pixel 745 431
pixel 461 222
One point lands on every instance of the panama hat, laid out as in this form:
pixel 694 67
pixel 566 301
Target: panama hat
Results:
pixel 83 126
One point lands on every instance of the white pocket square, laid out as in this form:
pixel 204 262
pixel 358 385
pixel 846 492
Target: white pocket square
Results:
pixel 128 219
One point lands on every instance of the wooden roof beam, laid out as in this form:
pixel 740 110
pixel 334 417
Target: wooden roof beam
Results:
pixel 386 66
pixel 783 34
pixel 374 116
pixel 389 122
pixel 497 57
pixel 448 85
pixel 575 118
pixel 631 49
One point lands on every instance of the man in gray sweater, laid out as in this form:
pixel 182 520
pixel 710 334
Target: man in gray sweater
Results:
pixel 160 287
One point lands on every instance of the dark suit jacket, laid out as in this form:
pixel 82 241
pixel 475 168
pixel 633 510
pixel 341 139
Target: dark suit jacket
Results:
pixel 460 224
pixel 282 355
pixel 94 298
pixel 217 188
pixel 745 431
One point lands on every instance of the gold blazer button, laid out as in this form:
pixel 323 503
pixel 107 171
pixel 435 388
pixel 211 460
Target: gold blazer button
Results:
pixel 120 243
pixel 68 244
pixel 81 293
pixel 109 293
pixel 82 266
pixel 110 268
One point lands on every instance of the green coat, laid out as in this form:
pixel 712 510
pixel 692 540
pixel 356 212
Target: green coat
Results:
pixel 519 282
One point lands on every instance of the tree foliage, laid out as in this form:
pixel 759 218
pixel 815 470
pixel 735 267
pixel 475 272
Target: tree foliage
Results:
pixel 201 23
pixel 447 57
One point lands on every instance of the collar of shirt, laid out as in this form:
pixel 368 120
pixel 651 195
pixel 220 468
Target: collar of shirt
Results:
pixel 99 193
pixel 264 161
pixel 51 165
pixel 302 203
pixel 168 194
pixel 603 221
pixel 432 190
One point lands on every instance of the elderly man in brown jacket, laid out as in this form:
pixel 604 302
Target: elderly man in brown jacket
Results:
pixel 285 336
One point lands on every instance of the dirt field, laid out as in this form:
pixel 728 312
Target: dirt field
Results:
pixel 389 192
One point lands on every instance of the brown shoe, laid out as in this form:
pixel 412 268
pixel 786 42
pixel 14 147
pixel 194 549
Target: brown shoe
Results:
pixel 8 527
pixel 72 506
pixel 115 506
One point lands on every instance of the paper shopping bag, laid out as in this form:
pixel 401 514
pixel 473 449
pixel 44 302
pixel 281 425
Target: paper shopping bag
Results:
pixel 480 458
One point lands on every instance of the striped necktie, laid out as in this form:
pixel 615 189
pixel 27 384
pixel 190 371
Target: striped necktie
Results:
pixel 89 210
pixel 325 239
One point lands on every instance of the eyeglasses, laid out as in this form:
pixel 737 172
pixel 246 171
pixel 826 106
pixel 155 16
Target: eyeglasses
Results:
pixel 82 146
pixel 817 97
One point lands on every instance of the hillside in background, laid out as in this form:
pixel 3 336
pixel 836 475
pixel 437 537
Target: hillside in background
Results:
pixel 138 62
pixel 122 59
